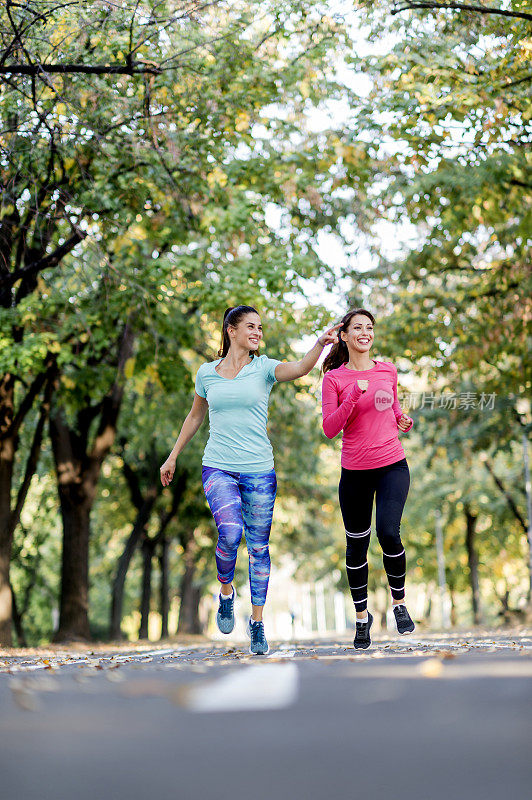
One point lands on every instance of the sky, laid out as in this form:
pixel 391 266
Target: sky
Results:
pixel 330 247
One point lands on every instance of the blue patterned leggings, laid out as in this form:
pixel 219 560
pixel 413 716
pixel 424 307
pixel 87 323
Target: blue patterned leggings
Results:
pixel 242 503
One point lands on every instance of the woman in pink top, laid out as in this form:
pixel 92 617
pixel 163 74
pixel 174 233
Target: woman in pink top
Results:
pixel 359 398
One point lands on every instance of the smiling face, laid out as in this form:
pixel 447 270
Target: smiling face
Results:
pixel 359 334
pixel 247 333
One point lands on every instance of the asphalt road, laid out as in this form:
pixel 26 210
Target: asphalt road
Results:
pixel 432 717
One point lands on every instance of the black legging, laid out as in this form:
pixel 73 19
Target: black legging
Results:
pixel 357 488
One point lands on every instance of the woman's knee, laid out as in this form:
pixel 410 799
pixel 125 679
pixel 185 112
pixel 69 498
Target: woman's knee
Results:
pixel 389 537
pixel 260 552
pixel 227 543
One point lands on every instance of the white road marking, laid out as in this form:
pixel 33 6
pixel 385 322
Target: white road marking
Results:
pixel 261 686
pixel 282 654
pixel 153 652
pixel 31 668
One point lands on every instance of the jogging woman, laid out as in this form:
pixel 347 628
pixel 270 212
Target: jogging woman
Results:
pixel 238 472
pixel 359 397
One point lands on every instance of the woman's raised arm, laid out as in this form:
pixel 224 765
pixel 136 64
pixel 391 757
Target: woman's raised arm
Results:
pixel 296 369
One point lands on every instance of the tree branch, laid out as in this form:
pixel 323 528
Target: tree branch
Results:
pixel 132 480
pixel 35 449
pixel 135 68
pixel 463 7
pixel 111 402
pixel 507 495
pixel 178 491
pixel 515 83
pixel 25 405
pixel 51 260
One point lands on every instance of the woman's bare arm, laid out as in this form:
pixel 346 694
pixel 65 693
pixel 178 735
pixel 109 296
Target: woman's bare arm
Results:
pixel 190 426
pixel 296 369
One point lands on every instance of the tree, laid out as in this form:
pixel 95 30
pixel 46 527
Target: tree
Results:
pixel 445 135
pixel 148 188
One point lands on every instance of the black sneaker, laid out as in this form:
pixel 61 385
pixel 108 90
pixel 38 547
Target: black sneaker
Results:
pixel 403 620
pixel 362 639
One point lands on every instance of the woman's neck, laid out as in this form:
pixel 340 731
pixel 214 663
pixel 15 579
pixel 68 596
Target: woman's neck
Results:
pixel 359 361
pixel 237 357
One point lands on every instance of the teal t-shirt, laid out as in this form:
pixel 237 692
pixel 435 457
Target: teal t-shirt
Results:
pixel 238 416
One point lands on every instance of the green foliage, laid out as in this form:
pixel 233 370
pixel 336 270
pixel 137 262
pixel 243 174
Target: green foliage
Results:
pixel 166 181
pixel 445 127
pixel 193 180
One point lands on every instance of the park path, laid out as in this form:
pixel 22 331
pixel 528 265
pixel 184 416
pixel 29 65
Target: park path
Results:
pixel 426 716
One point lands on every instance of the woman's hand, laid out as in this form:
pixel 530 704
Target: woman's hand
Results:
pixel 363 385
pixel 330 336
pixel 404 422
pixel 167 470
pixel 296 369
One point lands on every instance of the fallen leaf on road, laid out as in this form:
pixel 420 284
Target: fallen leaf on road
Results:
pixel 447 655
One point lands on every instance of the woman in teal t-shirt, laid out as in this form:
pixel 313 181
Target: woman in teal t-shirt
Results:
pixel 238 472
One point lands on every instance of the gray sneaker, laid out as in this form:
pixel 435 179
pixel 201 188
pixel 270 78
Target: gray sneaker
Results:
pixel 259 645
pixel 225 618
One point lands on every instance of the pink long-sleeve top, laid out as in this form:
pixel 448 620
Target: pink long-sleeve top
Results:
pixel 368 419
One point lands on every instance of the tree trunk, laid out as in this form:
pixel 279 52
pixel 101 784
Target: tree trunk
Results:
pixel 6 604
pixel 164 596
pixel 472 560
pixel 505 603
pixel 139 529
pixel 428 605
pixel 147 555
pixel 77 490
pixel 452 596
pixel 10 423
pixel 8 448
pixel 78 467
pixel 17 621
pixel 74 597
pixel 144 503
pixel 189 621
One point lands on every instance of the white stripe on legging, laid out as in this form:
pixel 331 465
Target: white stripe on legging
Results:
pixel 394 555
pixel 360 567
pixel 358 535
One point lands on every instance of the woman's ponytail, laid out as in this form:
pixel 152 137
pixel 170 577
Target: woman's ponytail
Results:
pixel 224 349
pixel 338 355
